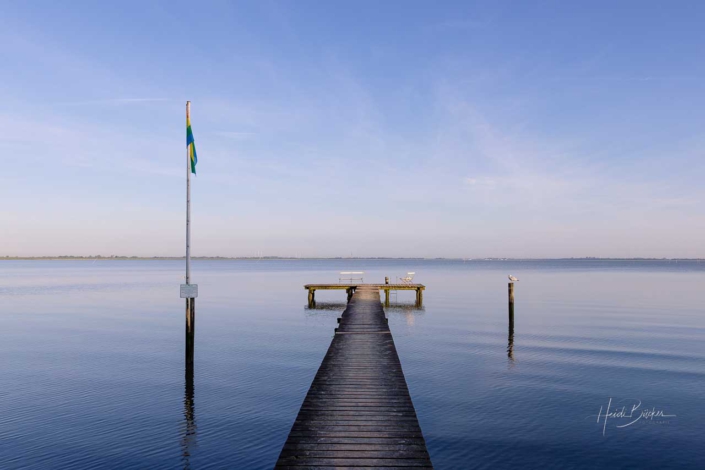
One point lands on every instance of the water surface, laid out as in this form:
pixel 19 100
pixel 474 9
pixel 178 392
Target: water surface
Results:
pixel 93 361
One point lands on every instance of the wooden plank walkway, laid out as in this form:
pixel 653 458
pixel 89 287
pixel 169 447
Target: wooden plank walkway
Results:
pixel 358 412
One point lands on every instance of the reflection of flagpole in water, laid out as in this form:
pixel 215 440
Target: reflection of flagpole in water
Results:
pixel 188 441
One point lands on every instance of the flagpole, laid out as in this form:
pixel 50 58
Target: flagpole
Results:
pixel 188 202
pixel 189 291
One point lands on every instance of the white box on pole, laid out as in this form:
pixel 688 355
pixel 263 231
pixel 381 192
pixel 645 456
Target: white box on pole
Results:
pixel 189 291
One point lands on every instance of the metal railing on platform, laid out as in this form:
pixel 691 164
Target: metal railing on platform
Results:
pixel 349 276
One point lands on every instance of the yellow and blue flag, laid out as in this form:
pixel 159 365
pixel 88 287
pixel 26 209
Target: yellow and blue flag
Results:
pixel 191 146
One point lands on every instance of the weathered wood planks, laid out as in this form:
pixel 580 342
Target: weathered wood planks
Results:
pixel 358 412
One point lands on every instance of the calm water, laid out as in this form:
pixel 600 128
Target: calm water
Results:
pixel 92 362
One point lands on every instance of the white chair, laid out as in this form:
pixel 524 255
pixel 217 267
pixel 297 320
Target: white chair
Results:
pixel 408 279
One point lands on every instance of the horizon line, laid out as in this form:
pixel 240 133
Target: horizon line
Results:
pixel 490 258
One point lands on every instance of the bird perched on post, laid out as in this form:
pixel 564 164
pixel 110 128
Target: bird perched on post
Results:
pixel 512 278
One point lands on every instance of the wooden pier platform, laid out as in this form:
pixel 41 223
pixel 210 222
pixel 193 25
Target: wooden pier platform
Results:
pixel 358 412
pixel 350 289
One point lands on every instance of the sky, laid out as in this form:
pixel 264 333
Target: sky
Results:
pixel 404 129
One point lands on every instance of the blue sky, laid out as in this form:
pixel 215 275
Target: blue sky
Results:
pixel 522 129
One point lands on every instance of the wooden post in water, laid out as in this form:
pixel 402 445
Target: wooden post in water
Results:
pixel 510 342
pixel 188 439
pixel 190 331
pixel 419 297
pixel 510 336
pixel 386 292
pixel 311 298
pixel 511 294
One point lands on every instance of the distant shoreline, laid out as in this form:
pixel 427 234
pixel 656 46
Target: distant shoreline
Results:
pixel 285 258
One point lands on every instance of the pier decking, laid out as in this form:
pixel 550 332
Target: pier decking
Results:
pixel 358 412
pixel 350 288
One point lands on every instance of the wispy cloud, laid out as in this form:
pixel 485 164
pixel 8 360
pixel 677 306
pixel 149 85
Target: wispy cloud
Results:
pixel 626 78
pixel 112 102
pixel 505 166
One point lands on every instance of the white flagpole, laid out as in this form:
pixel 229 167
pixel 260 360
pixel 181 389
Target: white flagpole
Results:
pixel 188 202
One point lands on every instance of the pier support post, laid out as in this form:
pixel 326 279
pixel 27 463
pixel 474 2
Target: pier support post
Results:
pixel 386 297
pixel 350 291
pixel 311 298
pixel 419 297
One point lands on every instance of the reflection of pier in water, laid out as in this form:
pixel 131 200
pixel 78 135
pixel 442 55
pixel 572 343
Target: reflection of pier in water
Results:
pixel 188 439
pixel 510 334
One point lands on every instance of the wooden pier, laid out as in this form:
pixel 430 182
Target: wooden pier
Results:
pixel 358 412
pixel 350 289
